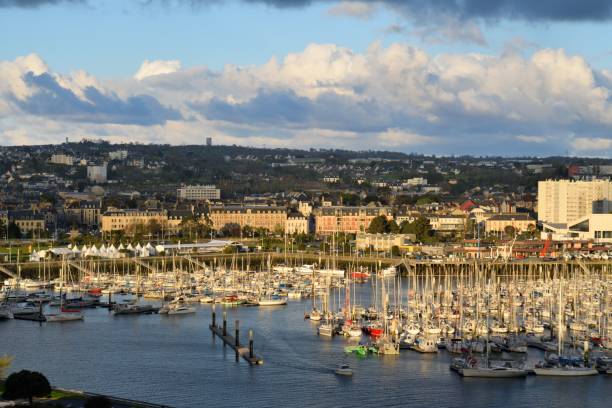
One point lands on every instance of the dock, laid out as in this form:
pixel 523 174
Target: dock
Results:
pixel 246 353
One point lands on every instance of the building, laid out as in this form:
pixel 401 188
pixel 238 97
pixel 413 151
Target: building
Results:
pixel 331 179
pixel 29 222
pixel 268 217
pixel 329 220
pixel 118 155
pixel 209 141
pixel 305 208
pixel 383 242
pixel 297 223
pixel 565 201
pixel 97 174
pixel 499 222
pixel 447 224
pixel 595 227
pixel 122 220
pixel 62 159
pixel 415 181
pixel 83 213
pixel 406 215
pixel 198 193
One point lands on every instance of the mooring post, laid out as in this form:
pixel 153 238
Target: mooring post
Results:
pixel 214 317
pixel 224 324
pixel 250 343
pixel 110 300
pixel 237 334
pixel 237 343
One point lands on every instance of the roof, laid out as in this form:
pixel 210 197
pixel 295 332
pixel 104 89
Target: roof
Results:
pixel 511 217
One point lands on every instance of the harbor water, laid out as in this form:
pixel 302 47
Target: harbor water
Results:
pixel 176 361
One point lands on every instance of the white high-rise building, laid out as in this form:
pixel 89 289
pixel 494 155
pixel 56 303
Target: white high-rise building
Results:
pixel 565 201
pixel 196 193
pixel 97 174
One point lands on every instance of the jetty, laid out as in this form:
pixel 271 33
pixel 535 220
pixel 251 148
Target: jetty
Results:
pixel 246 353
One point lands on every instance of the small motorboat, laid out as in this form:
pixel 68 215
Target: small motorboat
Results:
pixel 179 310
pixel 344 369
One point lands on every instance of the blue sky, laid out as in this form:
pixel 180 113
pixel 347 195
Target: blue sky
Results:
pixel 113 37
pixel 449 60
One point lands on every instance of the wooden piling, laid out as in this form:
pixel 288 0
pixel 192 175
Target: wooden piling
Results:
pixel 234 342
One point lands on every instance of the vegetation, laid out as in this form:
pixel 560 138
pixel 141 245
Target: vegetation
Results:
pixel 5 363
pixel 26 385
pixel 420 228
pixel 381 225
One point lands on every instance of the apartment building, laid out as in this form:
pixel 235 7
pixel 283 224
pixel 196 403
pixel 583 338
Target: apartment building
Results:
pixel 62 159
pixel 198 193
pixel 332 219
pixel 271 218
pixel 83 213
pixel 120 219
pixel 565 201
pixel 297 223
pixel 499 222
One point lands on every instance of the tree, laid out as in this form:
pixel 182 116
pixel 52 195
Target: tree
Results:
pixel 154 227
pixel 378 225
pixel 5 362
pixel 419 227
pixel 509 230
pixel 98 401
pixel 14 231
pixel 26 384
pixel 231 230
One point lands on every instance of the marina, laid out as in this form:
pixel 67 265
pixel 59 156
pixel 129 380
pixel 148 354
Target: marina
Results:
pixel 535 323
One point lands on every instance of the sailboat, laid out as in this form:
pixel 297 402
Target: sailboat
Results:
pixel 468 367
pixel 65 315
pixel 562 366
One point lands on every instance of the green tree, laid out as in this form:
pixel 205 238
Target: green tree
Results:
pixel 419 227
pixel 5 362
pixel 231 230
pixel 378 225
pixel 14 232
pixel 26 384
pixel 392 227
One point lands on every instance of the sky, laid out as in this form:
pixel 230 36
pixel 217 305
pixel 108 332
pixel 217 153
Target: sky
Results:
pixel 480 77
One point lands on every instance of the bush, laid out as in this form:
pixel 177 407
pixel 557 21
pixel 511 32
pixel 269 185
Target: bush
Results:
pixel 98 401
pixel 26 384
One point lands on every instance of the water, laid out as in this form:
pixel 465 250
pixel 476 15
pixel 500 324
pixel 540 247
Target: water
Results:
pixel 175 360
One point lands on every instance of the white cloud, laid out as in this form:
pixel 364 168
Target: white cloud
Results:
pixel 397 96
pixel 157 67
pixel 398 137
pixel 532 139
pixel 355 9
pixel 593 144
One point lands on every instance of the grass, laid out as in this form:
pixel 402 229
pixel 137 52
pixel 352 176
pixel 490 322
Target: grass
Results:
pixel 59 394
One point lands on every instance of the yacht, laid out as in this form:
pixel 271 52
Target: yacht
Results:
pixel 326 329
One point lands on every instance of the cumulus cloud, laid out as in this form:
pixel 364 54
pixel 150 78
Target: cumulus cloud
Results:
pixel 157 67
pixel 594 144
pixel 397 96
pixel 27 86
